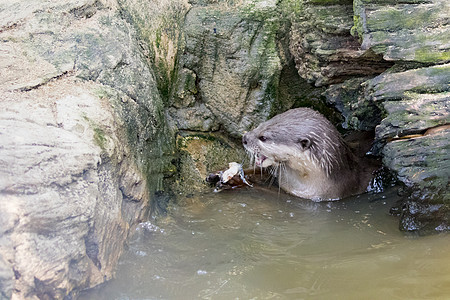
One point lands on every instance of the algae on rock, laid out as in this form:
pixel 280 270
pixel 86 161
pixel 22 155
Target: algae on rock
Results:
pixel 406 31
pixel 160 27
pixel 201 154
pixel 236 65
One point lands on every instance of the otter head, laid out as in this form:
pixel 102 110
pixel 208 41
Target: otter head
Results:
pixel 300 138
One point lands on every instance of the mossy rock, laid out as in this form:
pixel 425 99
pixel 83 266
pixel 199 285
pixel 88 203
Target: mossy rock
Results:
pixel 404 30
pixel 423 165
pixel 201 154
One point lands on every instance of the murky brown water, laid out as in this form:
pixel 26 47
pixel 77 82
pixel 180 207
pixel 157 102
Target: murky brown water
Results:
pixel 261 245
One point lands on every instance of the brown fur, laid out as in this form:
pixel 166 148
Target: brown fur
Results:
pixel 309 156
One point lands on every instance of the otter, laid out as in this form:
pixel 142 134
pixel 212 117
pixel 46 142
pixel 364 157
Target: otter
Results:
pixel 308 156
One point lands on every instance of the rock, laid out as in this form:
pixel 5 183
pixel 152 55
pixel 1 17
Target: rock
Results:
pixel 413 107
pixel 423 165
pixel 349 99
pixel 84 144
pixel 100 48
pixel 186 112
pixel 201 154
pixel 197 118
pixel 424 218
pixel 386 86
pixel 159 25
pixel 416 165
pixel 323 49
pixel 185 90
pixel 66 181
pixel 414 115
pixel 404 30
pixel 235 61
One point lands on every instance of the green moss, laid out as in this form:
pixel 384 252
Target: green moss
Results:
pixel 330 2
pixel 429 55
pixel 99 137
pixel 357 28
pixel 164 82
pixel 200 154
pixel 395 19
pixel 289 8
pixel 99 134
pixel 158 38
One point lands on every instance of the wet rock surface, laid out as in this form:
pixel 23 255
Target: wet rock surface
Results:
pixel 425 173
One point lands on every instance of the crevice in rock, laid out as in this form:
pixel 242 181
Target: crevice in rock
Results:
pixel 46 81
pixel 92 248
pixel 46 291
pixel 12 26
pixel 86 11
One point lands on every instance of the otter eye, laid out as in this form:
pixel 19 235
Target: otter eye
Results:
pixel 262 138
pixel 305 143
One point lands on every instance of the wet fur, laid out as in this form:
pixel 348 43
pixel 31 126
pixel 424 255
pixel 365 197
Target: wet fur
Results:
pixel 308 156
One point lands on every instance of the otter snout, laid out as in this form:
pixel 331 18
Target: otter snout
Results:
pixel 244 139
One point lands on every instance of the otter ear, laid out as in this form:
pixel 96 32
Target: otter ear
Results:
pixel 305 143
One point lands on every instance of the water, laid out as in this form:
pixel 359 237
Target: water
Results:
pixel 259 244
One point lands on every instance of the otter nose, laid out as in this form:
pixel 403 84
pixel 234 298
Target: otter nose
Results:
pixel 244 139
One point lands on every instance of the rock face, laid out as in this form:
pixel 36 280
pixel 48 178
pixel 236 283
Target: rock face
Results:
pixel 414 96
pixel 425 173
pixel 232 58
pixel 404 30
pixel 418 107
pixel 227 80
pixel 70 190
pixel 324 50
pixel 84 144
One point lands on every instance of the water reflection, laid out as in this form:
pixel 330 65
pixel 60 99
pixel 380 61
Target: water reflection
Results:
pixel 254 244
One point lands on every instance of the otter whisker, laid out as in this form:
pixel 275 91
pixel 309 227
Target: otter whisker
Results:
pixel 272 173
pixel 279 178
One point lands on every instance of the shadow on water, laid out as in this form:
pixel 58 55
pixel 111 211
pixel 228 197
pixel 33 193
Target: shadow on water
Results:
pixel 259 244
